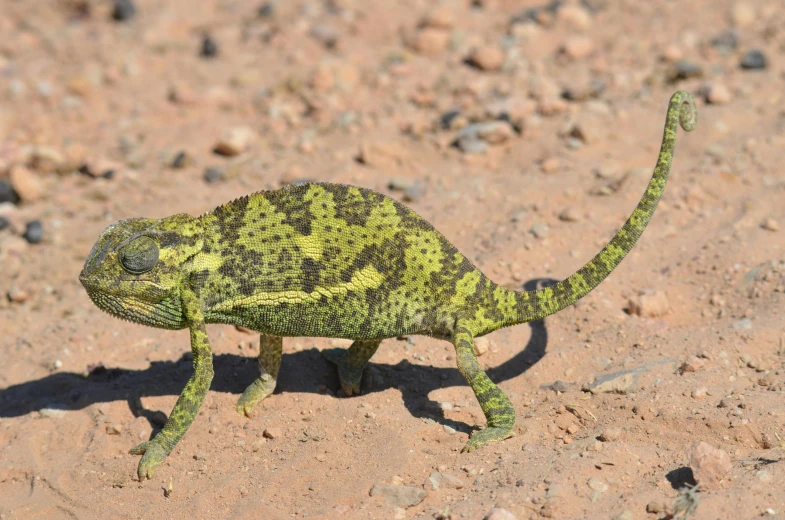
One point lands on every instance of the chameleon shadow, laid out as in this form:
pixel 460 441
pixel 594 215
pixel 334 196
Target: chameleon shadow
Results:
pixel 305 371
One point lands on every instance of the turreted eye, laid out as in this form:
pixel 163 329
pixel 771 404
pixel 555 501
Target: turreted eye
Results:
pixel 139 256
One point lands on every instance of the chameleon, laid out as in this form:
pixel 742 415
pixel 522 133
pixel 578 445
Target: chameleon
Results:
pixel 336 261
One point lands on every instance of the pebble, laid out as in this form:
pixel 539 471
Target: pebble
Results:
pixel 498 513
pixel 684 69
pixel 325 34
pixel 52 413
pixel 491 132
pixel 763 476
pixel 616 383
pixel 709 465
pixel 539 230
pixel 770 225
pixel 18 295
pixel 440 17
pixel 266 10
pixel 649 304
pixel 596 484
pixel 437 480
pixel 209 47
pixel 693 364
pixel 753 60
pixel 726 41
pixel 655 507
pixel 481 346
pixel 26 184
pixel 272 433
pixel 570 214
pixel 699 393
pixel 550 164
pixel 200 456
pixel 235 141
pixel 611 435
pixel 743 14
pixel 114 429
pixel 743 324
pixel 399 496
pixel 487 58
pixel 4 223
pixel 578 47
pixel 34 232
pixel 212 175
pixel 449 429
pixel 718 94
pixel 415 192
pixel 180 160
pixel 429 40
pixel 574 16
pixel 123 10
pixel 7 193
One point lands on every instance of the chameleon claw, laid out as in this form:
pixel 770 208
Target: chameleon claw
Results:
pixel 482 437
pixel 349 375
pixel 152 455
pixel 256 392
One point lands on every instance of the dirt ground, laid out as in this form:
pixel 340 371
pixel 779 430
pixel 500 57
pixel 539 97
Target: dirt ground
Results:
pixel 104 118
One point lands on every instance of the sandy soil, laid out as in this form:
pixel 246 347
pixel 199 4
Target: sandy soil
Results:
pixel 105 119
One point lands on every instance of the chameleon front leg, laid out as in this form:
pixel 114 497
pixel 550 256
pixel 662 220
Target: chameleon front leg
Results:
pixel 270 348
pixel 187 406
pixel 495 405
pixel 351 362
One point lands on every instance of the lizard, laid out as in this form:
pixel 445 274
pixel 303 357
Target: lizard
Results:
pixel 336 261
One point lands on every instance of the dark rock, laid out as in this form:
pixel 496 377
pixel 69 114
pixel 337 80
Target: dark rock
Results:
pixel 123 10
pixel 34 232
pixel 447 118
pixel 209 48
pixel 180 160
pixel 212 175
pixel 266 10
pixel 753 60
pixel 684 69
pixel 7 193
pixel 726 41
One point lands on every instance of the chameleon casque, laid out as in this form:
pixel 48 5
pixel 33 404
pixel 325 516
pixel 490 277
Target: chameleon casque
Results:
pixel 329 260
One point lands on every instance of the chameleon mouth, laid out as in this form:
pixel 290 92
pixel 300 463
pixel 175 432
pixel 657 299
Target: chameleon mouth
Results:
pixel 164 314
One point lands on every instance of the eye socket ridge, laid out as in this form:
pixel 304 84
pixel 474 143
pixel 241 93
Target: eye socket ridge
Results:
pixel 139 256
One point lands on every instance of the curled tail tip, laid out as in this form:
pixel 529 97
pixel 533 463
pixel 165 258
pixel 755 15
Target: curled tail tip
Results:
pixel 688 111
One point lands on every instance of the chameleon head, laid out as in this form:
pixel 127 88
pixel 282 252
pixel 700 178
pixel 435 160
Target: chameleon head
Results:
pixel 136 269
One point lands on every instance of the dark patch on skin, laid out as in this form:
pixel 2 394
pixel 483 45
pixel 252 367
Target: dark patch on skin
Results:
pixel 311 274
pixel 352 205
pixel 296 210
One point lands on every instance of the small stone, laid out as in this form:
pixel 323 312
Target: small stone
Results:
pixel 770 225
pixel 718 94
pixel 325 34
pixel 692 364
pixel 235 141
pixel 266 10
pixel 649 304
pixel 25 184
pixel 683 69
pixel 449 429
pixel 743 324
pixel 699 393
pixel 272 433
pixel 753 60
pixel 655 507
pixel 481 345
pixel 212 175
pixel 123 10
pixel 672 53
pixel 18 295
pixel 437 480
pixel 498 513
pixel 598 485
pixel 52 413
pixel 578 47
pixel 624 515
pixel 742 14
pixel 550 164
pixel 491 132
pixel 415 192
pixel 709 465
pixel 429 40
pixel 487 58
pixel 7 193
pixel 114 429
pixel 539 230
pixel 200 456
pixel 726 41
pixel 570 214
pixel 574 16
pixel 209 47
pixel 399 496
pixel 34 232
pixel 180 160
pixel 615 383
pixel 611 435
pixel 763 476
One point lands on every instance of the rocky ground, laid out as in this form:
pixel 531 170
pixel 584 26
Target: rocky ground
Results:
pixel 525 132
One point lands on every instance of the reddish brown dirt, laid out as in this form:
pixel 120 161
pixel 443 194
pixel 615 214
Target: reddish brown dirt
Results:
pixel 129 96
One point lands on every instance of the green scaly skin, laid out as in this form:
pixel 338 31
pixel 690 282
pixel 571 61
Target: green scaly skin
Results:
pixel 334 261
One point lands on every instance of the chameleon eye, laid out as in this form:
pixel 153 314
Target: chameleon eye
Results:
pixel 139 256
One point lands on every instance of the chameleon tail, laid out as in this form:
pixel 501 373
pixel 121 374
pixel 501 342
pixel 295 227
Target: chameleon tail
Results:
pixel 536 305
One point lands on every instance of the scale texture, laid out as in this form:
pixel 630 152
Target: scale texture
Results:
pixel 329 260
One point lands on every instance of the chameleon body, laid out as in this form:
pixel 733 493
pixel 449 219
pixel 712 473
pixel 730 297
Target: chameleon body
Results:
pixel 329 260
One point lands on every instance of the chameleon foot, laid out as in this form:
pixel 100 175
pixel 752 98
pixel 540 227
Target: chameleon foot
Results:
pixel 483 437
pixel 350 375
pixel 256 391
pixel 152 455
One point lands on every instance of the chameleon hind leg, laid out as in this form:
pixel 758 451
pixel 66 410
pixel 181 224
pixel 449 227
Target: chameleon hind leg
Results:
pixel 270 348
pixel 495 405
pixel 350 363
